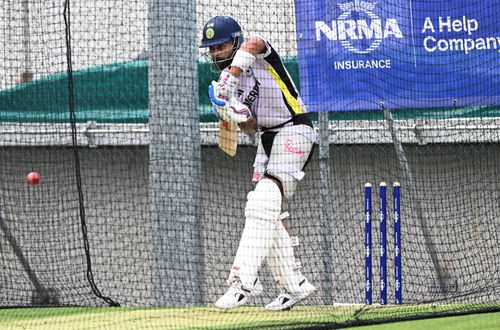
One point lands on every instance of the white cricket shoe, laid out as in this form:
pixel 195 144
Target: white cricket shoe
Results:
pixel 237 296
pixel 286 301
pixel 257 290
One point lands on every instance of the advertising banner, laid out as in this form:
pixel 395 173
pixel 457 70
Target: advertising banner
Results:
pixel 364 55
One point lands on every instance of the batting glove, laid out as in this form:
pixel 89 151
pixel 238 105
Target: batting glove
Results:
pixel 226 86
pixel 228 109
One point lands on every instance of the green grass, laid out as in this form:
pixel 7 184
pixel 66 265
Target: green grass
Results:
pixel 487 321
pixel 123 318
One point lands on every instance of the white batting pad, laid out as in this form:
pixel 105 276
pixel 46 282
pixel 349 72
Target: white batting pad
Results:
pixel 281 260
pixel 262 215
pixel 272 259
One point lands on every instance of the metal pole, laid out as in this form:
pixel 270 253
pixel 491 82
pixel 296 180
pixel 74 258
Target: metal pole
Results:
pixel 414 198
pixel 326 215
pixel 18 252
pixel 27 74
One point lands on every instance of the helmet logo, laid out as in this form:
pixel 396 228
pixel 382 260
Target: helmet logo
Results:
pixel 210 33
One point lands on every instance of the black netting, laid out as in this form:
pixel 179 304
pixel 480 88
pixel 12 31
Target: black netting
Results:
pixel 137 206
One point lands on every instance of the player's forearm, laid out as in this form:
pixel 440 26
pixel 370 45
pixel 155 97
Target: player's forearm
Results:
pixel 249 48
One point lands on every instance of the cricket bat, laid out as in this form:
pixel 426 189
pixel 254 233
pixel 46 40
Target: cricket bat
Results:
pixel 228 137
pixel 228 133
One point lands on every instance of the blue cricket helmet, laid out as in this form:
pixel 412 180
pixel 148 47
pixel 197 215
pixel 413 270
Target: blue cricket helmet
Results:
pixel 221 29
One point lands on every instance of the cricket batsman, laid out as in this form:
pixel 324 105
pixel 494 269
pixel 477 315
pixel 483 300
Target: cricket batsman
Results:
pixel 256 92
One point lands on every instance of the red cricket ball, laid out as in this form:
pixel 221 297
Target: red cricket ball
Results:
pixel 33 178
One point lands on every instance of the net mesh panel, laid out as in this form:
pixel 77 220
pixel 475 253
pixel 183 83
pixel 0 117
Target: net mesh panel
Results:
pixel 136 232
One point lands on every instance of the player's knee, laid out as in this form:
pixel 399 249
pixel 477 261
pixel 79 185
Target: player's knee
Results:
pixel 264 203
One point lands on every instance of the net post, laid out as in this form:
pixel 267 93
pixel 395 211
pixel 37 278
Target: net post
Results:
pixel 326 215
pixel 175 198
pixel 414 197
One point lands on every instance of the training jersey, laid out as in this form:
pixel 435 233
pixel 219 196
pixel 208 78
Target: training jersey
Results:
pixel 269 92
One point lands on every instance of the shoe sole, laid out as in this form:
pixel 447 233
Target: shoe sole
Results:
pixel 294 304
pixel 303 299
pixel 242 302
pixel 230 307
